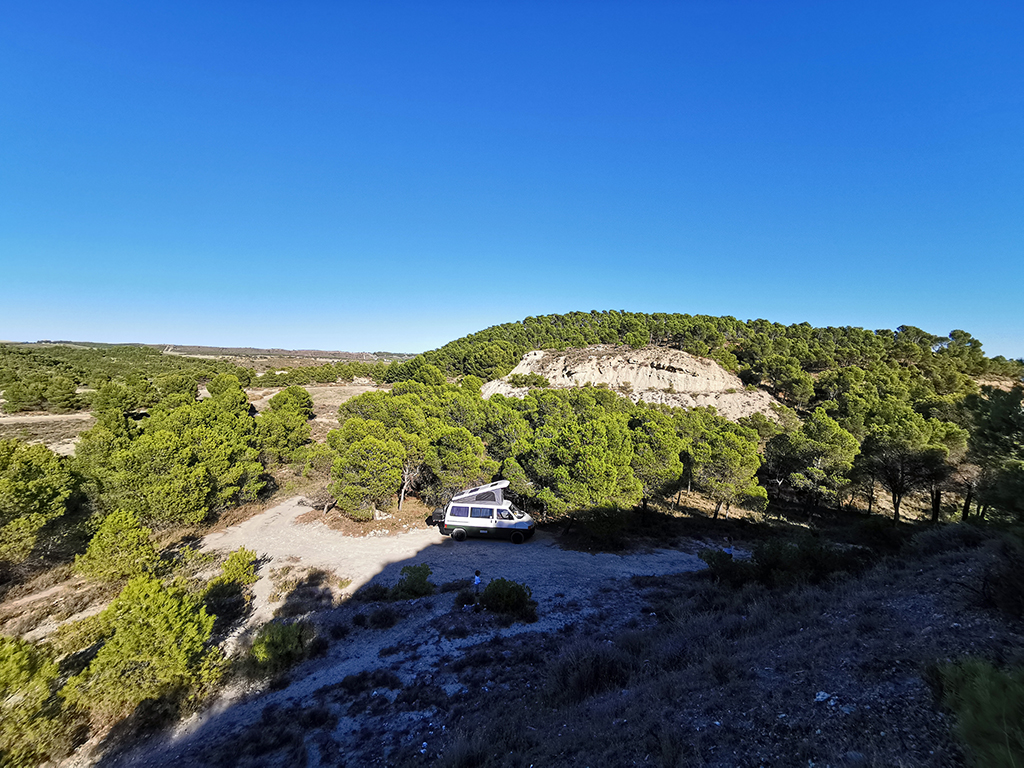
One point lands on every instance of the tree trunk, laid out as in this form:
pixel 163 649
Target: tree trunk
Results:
pixel 982 512
pixel 871 498
pixel 896 509
pixel 401 496
pixel 966 515
pixel 718 507
pixel 936 504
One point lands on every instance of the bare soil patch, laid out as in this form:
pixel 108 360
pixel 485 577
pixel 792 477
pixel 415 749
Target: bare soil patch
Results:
pixel 58 432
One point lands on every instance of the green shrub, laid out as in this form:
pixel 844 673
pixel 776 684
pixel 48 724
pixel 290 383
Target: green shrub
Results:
pixel 606 526
pixel 228 596
pixel 509 597
pixel 157 644
pixel 465 596
pixel 723 567
pixel 35 485
pixel 278 646
pixel 120 549
pixel 989 707
pixel 414 583
pixel 33 727
pixel 240 567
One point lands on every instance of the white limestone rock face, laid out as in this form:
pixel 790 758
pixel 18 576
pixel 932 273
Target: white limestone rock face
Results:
pixel 651 374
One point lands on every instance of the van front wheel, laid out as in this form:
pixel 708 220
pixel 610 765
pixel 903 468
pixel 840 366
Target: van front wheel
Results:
pixel 518 538
pixel 459 535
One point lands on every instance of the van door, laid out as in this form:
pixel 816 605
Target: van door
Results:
pixel 481 520
pixel 504 522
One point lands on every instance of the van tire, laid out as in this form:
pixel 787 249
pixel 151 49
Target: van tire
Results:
pixel 518 538
pixel 459 535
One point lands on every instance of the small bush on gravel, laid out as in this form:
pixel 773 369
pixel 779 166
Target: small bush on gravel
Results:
pixel 465 597
pixel 509 597
pixel 414 583
pixel 278 646
pixel 227 596
pixel 989 706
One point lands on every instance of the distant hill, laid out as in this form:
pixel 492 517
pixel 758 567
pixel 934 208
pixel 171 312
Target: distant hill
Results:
pixel 203 351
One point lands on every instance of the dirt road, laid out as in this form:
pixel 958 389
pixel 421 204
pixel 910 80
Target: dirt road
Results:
pixel 540 563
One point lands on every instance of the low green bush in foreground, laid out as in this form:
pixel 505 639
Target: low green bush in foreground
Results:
pixel 989 708
pixel 414 583
pixel 33 725
pixel 510 598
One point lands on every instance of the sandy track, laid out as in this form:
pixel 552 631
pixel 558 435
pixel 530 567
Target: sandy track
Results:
pixel 20 418
pixel 548 570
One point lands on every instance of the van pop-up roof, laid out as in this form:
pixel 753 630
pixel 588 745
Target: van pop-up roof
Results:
pixel 490 492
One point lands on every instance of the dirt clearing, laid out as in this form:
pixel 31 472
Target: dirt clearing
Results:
pixel 277 536
pixel 58 432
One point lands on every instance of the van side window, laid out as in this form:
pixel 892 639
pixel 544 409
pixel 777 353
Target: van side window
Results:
pixel 460 512
pixel 481 512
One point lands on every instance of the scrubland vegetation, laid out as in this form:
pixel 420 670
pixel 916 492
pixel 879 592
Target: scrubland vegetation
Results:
pixel 928 423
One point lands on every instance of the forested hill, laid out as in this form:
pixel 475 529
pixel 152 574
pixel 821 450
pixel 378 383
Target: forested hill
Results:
pixel 783 358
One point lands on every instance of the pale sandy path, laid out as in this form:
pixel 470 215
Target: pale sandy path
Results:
pixel 540 563
pixel 21 418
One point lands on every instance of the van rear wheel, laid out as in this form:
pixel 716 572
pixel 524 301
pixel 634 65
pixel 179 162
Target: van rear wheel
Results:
pixel 459 535
pixel 518 538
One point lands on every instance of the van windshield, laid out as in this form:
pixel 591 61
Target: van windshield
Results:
pixel 516 511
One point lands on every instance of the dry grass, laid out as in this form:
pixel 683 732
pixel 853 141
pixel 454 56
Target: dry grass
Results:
pixel 46 609
pixel 305 590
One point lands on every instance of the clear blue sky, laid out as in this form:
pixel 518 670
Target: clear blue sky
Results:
pixel 391 176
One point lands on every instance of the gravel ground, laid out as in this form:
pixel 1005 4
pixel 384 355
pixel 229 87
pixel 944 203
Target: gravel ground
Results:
pixel 569 587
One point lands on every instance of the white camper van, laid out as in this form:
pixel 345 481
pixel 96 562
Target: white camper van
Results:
pixel 484 512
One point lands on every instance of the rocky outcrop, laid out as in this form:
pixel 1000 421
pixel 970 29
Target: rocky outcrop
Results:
pixel 651 374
